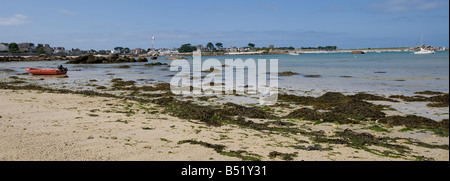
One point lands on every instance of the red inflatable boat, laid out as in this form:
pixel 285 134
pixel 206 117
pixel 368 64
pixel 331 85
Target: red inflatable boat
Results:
pixel 46 71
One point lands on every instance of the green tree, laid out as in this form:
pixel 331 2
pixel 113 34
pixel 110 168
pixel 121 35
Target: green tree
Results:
pixel 251 45
pixel 185 48
pixel 219 45
pixel 39 49
pixel 119 48
pixel 13 48
pixel 210 46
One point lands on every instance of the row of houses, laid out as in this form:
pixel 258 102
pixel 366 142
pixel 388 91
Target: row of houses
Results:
pixel 31 47
pixel 139 51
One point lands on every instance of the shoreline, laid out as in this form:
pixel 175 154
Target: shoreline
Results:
pixel 65 57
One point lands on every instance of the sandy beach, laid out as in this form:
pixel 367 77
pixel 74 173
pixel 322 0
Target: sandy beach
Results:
pixel 37 125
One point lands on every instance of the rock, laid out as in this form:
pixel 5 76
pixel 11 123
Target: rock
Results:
pixel 92 59
pixel 113 56
pixel 142 59
pixel 176 58
pixel 357 52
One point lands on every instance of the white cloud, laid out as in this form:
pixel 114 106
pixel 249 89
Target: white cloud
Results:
pixel 16 19
pixel 67 12
pixel 408 5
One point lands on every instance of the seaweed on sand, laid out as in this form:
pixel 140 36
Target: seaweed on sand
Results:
pixel 119 84
pixel 337 108
pixel 238 110
pixel 243 155
pixel 418 122
pixel 284 156
pixel 441 100
pixel 364 140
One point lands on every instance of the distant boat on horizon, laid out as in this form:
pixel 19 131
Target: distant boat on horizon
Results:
pixel 423 51
pixel 294 53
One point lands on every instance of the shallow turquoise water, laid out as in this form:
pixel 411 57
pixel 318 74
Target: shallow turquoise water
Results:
pixel 381 73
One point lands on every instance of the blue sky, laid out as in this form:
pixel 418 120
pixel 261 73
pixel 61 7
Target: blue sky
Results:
pixel 105 24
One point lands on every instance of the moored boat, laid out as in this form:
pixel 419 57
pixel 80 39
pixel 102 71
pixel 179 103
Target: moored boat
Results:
pixel 424 52
pixel 35 71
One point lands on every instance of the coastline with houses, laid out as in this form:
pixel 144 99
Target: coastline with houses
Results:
pixel 46 52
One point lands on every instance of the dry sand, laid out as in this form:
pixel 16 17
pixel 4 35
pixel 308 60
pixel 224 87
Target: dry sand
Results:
pixel 47 126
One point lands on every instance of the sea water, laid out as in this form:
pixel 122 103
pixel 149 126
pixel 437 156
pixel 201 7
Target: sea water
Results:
pixel 384 73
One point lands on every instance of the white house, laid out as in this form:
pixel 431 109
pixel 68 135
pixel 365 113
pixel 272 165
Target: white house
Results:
pixel 4 47
pixel 115 51
pixel 59 50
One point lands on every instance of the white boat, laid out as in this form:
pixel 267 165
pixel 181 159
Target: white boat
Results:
pixel 294 53
pixel 424 52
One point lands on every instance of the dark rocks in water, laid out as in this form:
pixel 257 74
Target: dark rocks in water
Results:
pixel 357 52
pixel 142 59
pixel 312 76
pixel 124 67
pixel 7 70
pixel 112 58
pixel 156 64
pixel 429 93
pixel 287 73
pixel 176 58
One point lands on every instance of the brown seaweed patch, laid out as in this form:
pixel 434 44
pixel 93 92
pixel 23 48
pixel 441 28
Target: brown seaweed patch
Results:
pixel 429 93
pixel 338 108
pixel 243 155
pixel 370 97
pixel 287 73
pixel 283 156
pixel 418 122
pixel 437 101
pixel 238 110
pixel 312 76
pixel 118 83
pixel 364 140
pixel 410 98
pixel 124 67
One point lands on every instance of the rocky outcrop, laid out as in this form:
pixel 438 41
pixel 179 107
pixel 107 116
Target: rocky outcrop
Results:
pixel 357 52
pixel 176 58
pixel 142 59
pixel 112 58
